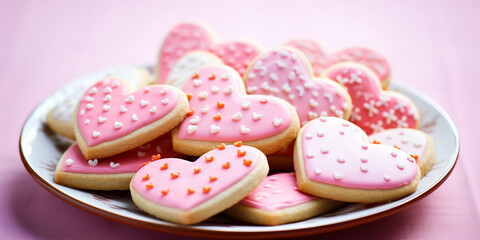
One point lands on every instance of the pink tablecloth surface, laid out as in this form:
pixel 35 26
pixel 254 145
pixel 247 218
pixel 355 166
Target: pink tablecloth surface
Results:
pixel 433 46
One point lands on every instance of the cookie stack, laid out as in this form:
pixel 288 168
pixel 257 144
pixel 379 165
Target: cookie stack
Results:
pixel 266 136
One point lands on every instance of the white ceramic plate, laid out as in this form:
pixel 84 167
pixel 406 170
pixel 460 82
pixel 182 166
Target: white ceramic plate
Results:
pixel 41 149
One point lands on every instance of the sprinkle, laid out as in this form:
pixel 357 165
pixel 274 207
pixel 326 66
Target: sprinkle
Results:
pixel 191 111
pixel 89 106
pixel 206 189
pixel 93 162
pixel 364 168
pixel 308 136
pixel 237 116
pixel 191 129
pixel 143 103
pixel 118 125
pixel 215 89
pixel 93 91
pixel 394 154
pixel 277 121
pixel 338 176
pixel 203 95
pixel 164 167
pixel 213 179
pixel 129 99
pixel 165 101
pixel 134 117
pixel 214 129
pixel 246 105
pixel 238 143
pixel 165 191
pixel 341 159
pixel 69 162
pixel 220 104
pixel 241 153
pixel 211 77
pixel 248 163
pixel 400 166
pixel 146 163
pixel 397 147
pixel 221 146
pixel 197 170
pixel 189 96
pixel 195 76
pixel 387 177
pixel 273 179
pixel 363 159
pixel 208 159
pixel 226 165
pixel 310 154
pixel 217 117
pixel 414 157
pixel 102 119
pixel 320 134
pixel 123 109
pixel 273 77
pixel 107 90
pixel 156 157
pixel 228 90
pixel 95 134
pixel 197 82
pixel 146 177
pixel 195 120
pixel 190 191
pixel 364 146
pixel 175 175
pixel 256 116
pixel 224 77
pixel 324 150
pixel 149 185
pixel 107 98
pixel 376 142
pixel 106 108
pixel 153 109
pixel 244 129
pixel 90 99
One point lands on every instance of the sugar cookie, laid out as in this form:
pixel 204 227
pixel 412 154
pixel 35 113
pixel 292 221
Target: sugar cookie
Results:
pixel 186 192
pixel 334 160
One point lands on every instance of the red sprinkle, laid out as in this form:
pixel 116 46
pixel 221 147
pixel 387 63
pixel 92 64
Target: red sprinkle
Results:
pixel 241 153
pixel 156 157
pixel 397 147
pixel 226 165
pixel 195 75
pixel 146 177
pixel 217 117
pixel 208 159
pixel 206 189
pixel 212 77
pixel 149 185
pixel 247 162
pixel 197 170
pixel 189 96
pixel 238 143
pixel 376 142
pixel 191 112
pixel 213 179
pixel 164 167
pixel 175 175
pixel 165 191
pixel 414 157
pixel 220 104
pixel 190 191
pixel 221 146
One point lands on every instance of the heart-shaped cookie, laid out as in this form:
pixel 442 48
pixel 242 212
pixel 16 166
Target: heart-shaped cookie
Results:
pixel 414 142
pixel 187 37
pixel 276 200
pixel 373 108
pixel 187 65
pixel 189 192
pixel 334 160
pixel 111 173
pixel 320 60
pixel 287 74
pixel 222 112
pixel 110 120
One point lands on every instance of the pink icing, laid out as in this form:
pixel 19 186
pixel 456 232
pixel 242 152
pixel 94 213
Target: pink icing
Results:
pixel 105 111
pixel 410 141
pixel 187 37
pixel 373 109
pixel 314 52
pixel 243 117
pixel 283 73
pixel 178 196
pixel 372 59
pixel 127 162
pixel 335 152
pixel 182 39
pixel 277 191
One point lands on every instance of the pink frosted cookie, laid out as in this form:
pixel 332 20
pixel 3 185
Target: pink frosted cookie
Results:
pixel 222 112
pixel 321 60
pixel 373 109
pixel 111 173
pixel 186 192
pixel 187 37
pixel 414 142
pixel 315 54
pixel 367 57
pixel 334 160
pixel 110 119
pixel 276 201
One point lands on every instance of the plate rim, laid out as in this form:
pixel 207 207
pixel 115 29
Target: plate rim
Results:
pixel 200 232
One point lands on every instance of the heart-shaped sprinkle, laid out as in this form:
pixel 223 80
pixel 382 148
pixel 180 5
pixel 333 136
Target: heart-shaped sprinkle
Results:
pixel 93 162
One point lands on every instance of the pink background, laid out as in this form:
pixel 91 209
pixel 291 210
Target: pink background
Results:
pixel 432 46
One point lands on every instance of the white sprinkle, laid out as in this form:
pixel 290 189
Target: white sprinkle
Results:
pixel 341 159
pixel 134 117
pixel 291 97
pixel 273 77
pixel 214 129
pixel 215 89
pixel 228 90
pixel 118 125
pixel 394 154
pixel 93 91
pixel 312 115
pixel 364 146
pixel 89 99
pixel 95 134
pixel 203 95
pixel 107 90
pixel 400 165
pixel 320 134
pixel 318 171
pixel 244 129
pixel 191 129
pixel 224 77
pixel 114 165
pixel 102 119
pixel 165 101
pixel 107 98
pixel 93 162
pixel 338 176
pixel 277 121
pixel 363 159
pixel 256 116
pixel 87 121
pixel 69 162
pixel 308 85
pixel 281 64
pixel 129 99
pixel 273 179
pixel 246 105
pixel 387 177
pixel 291 76
pixel 195 120
pixel 277 191
pixel 153 109
pixel 286 88
pixel 324 150
pixel 204 110
pixel 143 103
pixel 82 112
pixel 364 168
pixel 308 136
pixel 237 116
pixel 310 154
pixel 313 103
pixel 197 82
pixel 123 109
pixel 89 106
pixel 251 89
pixel 251 75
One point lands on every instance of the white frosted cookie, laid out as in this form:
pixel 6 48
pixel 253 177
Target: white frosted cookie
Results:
pixel 60 117
pixel 187 65
pixel 414 142
pixel 186 192
pixel 276 200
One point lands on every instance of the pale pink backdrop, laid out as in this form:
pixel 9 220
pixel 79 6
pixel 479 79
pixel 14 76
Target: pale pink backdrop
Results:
pixel 432 46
